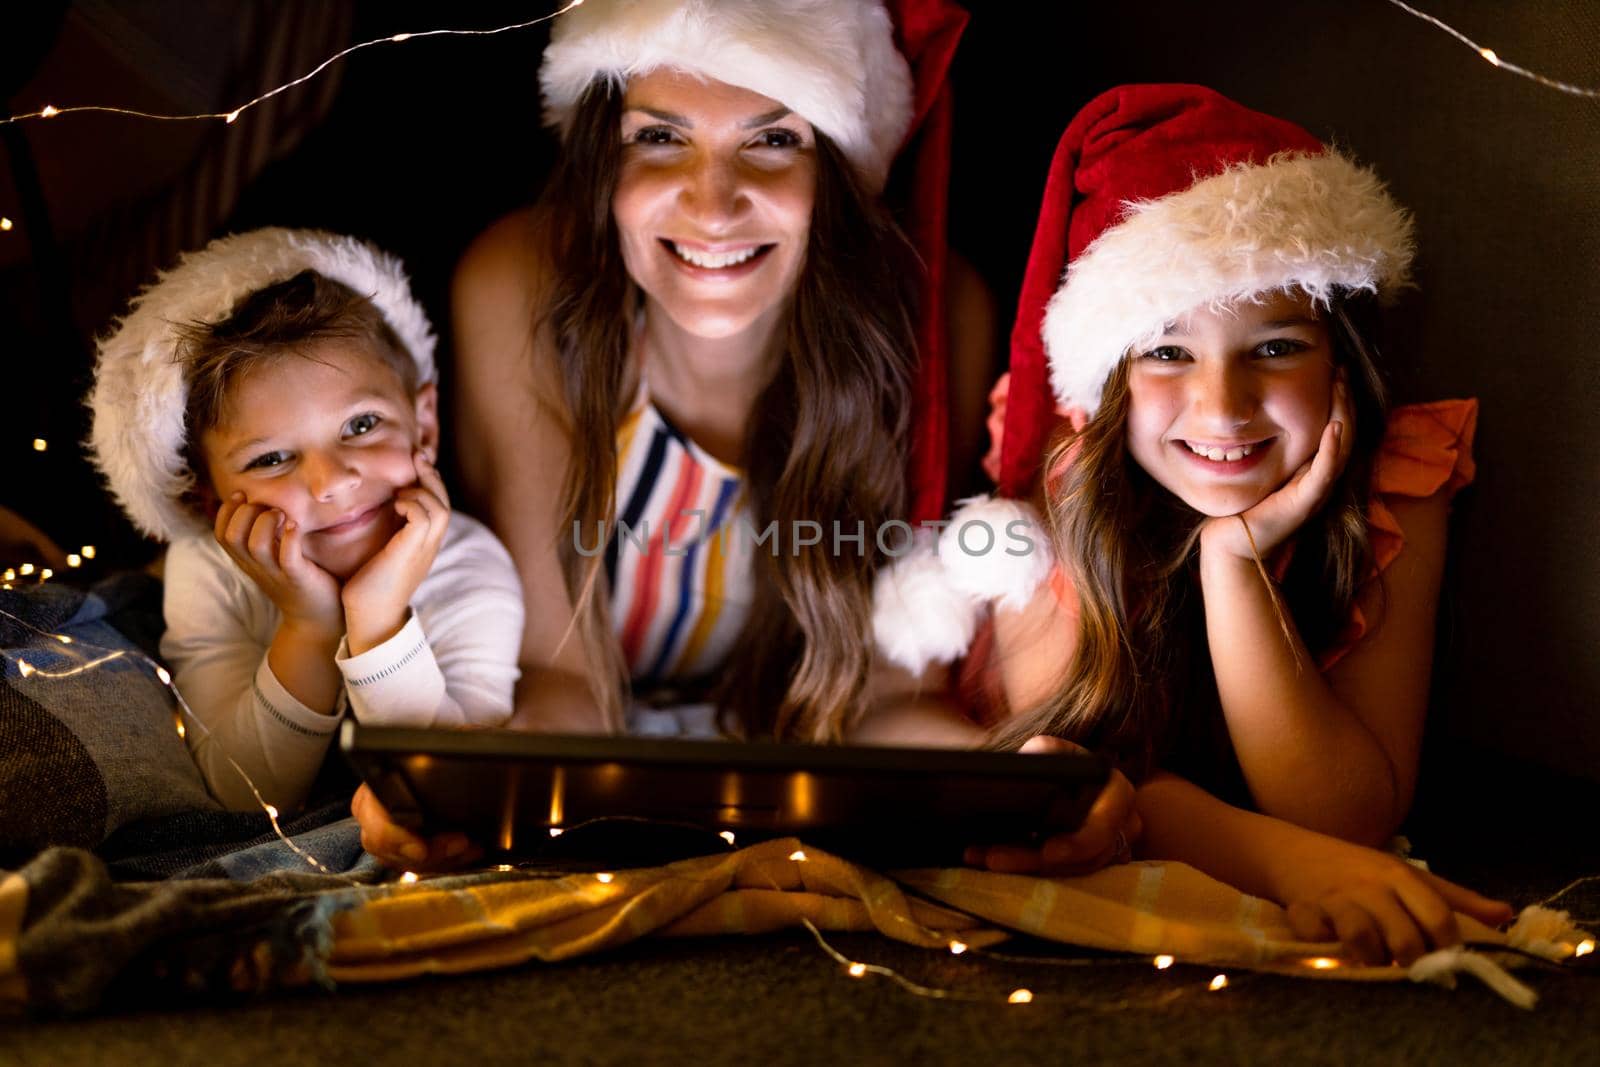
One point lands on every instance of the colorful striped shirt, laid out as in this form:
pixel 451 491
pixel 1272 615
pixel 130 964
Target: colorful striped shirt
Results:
pixel 680 559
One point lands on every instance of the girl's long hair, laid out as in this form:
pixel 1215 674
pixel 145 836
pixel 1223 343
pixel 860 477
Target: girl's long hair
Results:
pixel 1140 685
pixel 827 442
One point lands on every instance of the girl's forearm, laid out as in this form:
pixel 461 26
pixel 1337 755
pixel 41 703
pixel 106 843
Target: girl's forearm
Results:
pixel 1306 756
pixel 1185 823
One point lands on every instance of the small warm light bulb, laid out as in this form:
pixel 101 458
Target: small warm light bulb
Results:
pixel 957 947
pixel 408 877
pixel 1488 53
pixel 11 574
pixel 25 667
pixel 40 444
pixel 503 867
pixel 88 552
pixel 1163 962
pixel 1020 996
pixel 63 638
pixel 556 831
pixel 26 569
pixel 1584 948
pixel 181 731
pixel 5 223
pixel 399 37
pixel 727 835
pixel 1219 982
pixel 161 673
pixel 46 574
pixel 604 878
pixel 50 111
pixel 231 116
pixel 74 560
pixel 272 812
pixel 857 970
pixel 798 855
pixel 1324 963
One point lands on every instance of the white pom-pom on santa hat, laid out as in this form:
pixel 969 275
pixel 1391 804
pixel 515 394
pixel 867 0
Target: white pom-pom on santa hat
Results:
pixel 139 397
pixel 996 549
pixel 918 616
pixel 832 62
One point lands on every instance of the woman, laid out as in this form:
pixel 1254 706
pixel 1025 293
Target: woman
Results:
pixel 710 311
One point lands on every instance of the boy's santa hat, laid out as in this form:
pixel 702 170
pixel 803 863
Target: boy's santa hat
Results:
pixel 833 62
pixel 139 396
pixel 1162 199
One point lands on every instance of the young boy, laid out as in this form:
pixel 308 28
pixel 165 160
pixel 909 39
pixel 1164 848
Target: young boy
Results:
pixel 269 408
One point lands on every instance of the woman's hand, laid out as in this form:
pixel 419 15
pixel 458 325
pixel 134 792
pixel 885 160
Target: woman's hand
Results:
pixel 1286 509
pixel 1378 906
pixel 1106 835
pixel 268 548
pixel 400 849
pixel 377 598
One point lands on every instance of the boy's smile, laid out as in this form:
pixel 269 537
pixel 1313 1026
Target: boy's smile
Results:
pixel 326 437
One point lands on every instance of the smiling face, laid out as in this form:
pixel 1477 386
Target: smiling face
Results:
pixel 327 438
pixel 713 201
pixel 1227 405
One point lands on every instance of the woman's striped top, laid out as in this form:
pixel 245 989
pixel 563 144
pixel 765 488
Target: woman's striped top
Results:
pixel 680 559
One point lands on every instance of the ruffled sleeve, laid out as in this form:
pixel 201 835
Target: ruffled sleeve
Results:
pixel 1427 448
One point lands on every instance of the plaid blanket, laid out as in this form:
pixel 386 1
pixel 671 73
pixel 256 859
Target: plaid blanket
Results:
pixel 71 938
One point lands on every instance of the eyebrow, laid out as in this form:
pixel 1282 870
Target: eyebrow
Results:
pixel 361 399
pixel 680 120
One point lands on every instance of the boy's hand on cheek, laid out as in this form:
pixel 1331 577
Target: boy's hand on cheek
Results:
pixel 1275 519
pixel 377 598
pixel 269 549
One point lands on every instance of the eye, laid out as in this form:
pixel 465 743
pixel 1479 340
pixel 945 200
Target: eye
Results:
pixel 1279 347
pixel 1166 354
pixel 654 135
pixel 778 137
pixel 267 460
pixel 362 424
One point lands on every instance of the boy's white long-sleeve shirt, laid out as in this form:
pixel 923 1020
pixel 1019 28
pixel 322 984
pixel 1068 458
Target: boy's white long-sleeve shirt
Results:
pixel 454 663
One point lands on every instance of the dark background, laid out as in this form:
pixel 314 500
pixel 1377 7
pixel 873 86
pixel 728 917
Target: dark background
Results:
pixel 418 146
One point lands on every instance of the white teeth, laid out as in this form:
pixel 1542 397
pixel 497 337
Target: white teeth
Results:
pixel 713 260
pixel 1218 455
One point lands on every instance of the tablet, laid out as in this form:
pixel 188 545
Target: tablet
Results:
pixel 508 789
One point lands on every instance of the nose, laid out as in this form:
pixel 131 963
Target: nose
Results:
pixel 328 475
pixel 1223 395
pixel 713 194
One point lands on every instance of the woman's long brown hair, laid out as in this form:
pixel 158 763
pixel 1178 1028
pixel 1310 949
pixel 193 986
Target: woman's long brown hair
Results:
pixel 827 444
pixel 1140 684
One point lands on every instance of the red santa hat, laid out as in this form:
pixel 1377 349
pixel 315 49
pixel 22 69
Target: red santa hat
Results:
pixel 139 398
pixel 1161 199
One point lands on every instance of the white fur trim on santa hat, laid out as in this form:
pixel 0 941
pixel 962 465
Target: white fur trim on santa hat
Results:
pixel 833 62
pixel 1316 222
pixel 996 549
pixel 139 394
pixel 918 617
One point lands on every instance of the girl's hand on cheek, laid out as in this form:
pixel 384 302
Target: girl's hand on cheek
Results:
pixel 269 549
pixel 1106 835
pixel 377 598
pixel 1275 519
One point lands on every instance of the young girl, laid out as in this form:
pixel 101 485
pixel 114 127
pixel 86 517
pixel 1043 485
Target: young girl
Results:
pixel 1248 545
pixel 268 406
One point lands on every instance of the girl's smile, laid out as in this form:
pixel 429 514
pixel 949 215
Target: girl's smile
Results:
pixel 1229 403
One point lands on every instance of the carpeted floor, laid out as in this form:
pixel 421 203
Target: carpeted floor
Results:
pixel 780 999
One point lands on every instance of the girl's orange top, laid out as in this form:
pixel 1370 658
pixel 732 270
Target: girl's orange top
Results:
pixel 1426 448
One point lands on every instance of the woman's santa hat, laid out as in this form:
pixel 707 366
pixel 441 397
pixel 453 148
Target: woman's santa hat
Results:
pixel 1161 199
pixel 138 436
pixel 834 62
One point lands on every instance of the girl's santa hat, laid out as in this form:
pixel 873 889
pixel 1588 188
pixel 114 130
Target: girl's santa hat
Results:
pixel 139 397
pixel 1162 199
